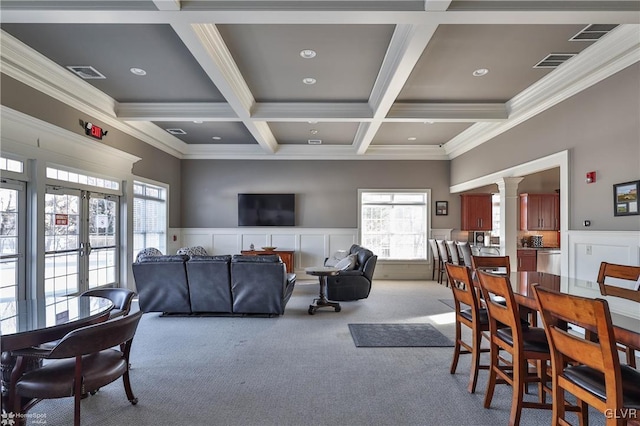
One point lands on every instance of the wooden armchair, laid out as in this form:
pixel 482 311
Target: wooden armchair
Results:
pixel 591 371
pixel 611 271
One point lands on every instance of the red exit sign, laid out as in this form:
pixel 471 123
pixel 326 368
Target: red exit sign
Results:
pixel 92 130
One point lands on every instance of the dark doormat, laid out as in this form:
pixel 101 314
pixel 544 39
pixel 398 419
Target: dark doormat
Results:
pixel 397 335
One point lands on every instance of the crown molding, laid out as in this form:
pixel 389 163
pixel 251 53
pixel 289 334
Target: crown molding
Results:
pixel 27 134
pixel 614 52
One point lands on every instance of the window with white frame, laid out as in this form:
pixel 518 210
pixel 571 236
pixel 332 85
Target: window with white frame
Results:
pixel 149 217
pixel 393 224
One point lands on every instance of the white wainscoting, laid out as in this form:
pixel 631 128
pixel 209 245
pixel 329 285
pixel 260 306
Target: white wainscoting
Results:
pixel 585 251
pixel 311 246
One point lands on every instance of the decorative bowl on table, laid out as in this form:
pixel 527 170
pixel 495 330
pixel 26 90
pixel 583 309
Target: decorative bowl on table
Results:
pixel 268 248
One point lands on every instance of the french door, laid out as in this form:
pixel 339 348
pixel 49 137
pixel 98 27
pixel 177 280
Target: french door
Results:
pixel 81 240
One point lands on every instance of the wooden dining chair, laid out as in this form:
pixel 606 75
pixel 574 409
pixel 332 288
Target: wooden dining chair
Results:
pixel 524 345
pixel 437 261
pixel 469 314
pixel 608 274
pixel 590 371
pixel 491 263
pixel 444 257
pixel 84 360
pixel 452 249
pixel 464 252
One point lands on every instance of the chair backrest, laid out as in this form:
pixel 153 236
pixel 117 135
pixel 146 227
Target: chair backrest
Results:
pixel 485 263
pixel 121 298
pixel 97 337
pixel 442 250
pixel 464 252
pixel 501 304
pixel 453 252
pixel 609 272
pixel 434 249
pixel 560 309
pixel 462 287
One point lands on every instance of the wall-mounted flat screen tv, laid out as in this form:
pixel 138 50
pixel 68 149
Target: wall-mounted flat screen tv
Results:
pixel 266 209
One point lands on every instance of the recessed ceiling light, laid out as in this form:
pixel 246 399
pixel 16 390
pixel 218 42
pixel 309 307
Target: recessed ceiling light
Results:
pixel 412 138
pixel 314 131
pixel 480 72
pixel 197 121
pixel 309 80
pixel 216 138
pixel 312 122
pixel 308 53
pixel 138 71
pixel 428 122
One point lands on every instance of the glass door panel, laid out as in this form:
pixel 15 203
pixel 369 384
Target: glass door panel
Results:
pixel 103 240
pixel 62 241
pixel 12 248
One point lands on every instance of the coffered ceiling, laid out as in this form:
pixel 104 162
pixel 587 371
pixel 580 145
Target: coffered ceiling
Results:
pixel 391 79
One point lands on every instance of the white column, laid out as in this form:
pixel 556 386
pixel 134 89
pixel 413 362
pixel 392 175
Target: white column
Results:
pixel 509 219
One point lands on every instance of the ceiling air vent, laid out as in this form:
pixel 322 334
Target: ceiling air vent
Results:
pixel 176 131
pixel 593 32
pixel 315 141
pixel 86 72
pixel 554 60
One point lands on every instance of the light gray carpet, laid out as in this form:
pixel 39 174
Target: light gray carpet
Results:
pixel 397 336
pixel 297 369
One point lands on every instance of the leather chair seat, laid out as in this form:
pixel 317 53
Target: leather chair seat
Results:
pixel 55 379
pixel 593 381
pixel 483 317
pixel 533 338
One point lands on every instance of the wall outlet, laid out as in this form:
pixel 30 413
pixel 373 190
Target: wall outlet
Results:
pixel 589 250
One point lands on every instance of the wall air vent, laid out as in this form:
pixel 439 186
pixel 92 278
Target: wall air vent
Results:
pixel 86 72
pixel 176 131
pixel 593 32
pixel 315 141
pixel 554 60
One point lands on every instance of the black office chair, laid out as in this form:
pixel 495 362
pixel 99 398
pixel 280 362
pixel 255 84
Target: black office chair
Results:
pixel 86 359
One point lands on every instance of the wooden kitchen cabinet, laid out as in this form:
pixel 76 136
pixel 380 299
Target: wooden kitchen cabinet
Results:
pixel 476 212
pixel 285 255
pixel 539 212
pixel 527 260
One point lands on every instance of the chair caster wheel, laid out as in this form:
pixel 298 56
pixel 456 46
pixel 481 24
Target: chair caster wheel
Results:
pixel 338 308
pixel 133 401
pixel 311 310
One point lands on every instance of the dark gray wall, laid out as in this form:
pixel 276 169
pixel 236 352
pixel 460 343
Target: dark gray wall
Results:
pixel 326 191
pixel 155 164
pixel 601 129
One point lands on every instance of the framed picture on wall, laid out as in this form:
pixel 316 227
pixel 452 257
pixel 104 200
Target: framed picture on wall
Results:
pixel 625 198
pixel 442 208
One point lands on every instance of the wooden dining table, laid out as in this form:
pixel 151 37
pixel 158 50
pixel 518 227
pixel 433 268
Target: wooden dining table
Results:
pixel 626 324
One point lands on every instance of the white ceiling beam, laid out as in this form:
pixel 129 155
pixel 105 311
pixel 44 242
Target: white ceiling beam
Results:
pixel 452 112
pixel 406 46
pixel 176 111
pixel 316 111
pixel 260 16
pixel 436 5
pixel 167 4
pixel 208 48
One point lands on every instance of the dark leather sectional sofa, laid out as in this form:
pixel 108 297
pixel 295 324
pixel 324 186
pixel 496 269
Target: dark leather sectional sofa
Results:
pixel 225 285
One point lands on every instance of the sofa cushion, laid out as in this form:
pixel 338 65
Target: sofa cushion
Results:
pixel 263 258
pixel 193 251
pixel 335 258
pixel 218 258
pixel 149 251
pixel 347 263
pixel 163 258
